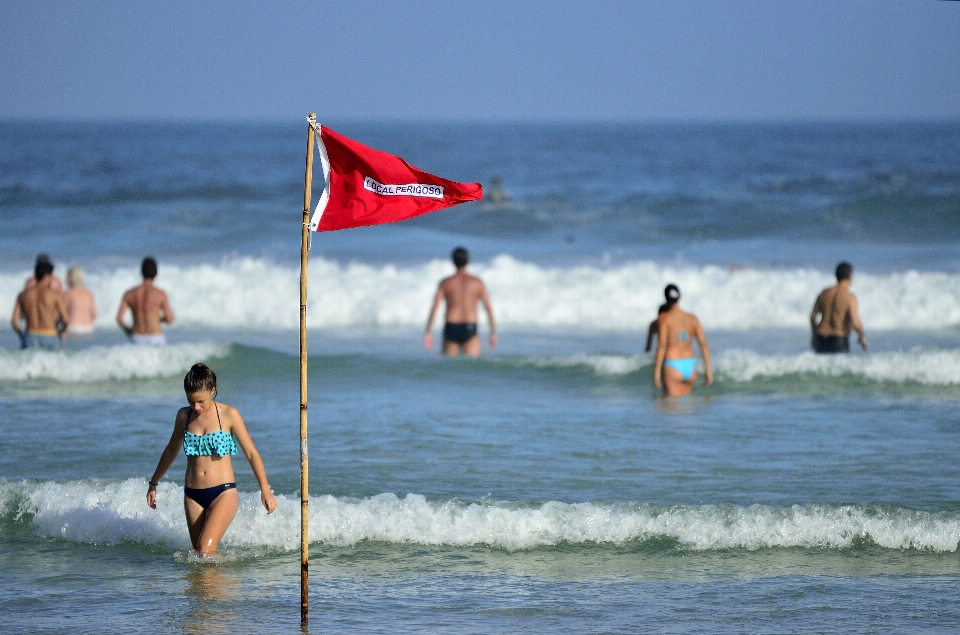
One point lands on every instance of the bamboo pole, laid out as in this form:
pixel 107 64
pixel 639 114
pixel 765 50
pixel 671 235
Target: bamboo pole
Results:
pixel 304 461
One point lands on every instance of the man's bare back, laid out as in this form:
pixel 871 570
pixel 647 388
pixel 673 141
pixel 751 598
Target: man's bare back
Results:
pixel 150 308
pixel 835 313
pixel 42 309
pixel 461 292
pixel 835 306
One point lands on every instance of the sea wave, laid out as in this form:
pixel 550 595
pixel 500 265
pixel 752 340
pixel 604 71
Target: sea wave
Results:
pixel 925 366
pixel 107 363
pixel 928 367
pixel 256 293
pixel 92 511
pixel 600 364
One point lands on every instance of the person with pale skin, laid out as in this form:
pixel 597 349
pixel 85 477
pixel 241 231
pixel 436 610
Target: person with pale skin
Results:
pixel 149 306
pixel 209 433
pixel 835 313
pixel 675 369
pixel 461 292
pixel 42 309
pixel 79 303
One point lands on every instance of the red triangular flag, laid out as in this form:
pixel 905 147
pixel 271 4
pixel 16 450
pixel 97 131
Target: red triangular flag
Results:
pixel 364 186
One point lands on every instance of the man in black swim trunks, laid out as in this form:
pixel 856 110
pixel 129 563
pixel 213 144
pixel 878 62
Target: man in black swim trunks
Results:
pixel 835 313
pixel 461 292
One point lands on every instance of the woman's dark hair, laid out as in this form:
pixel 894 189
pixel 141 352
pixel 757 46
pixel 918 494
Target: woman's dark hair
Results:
pixel 199 378
pixel 672 294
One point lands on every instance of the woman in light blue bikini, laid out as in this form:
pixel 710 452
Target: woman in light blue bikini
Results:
pixel 209 433
pixel 676 367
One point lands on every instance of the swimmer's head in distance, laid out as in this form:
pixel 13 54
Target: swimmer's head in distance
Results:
pixel 844 271
pixel 460 257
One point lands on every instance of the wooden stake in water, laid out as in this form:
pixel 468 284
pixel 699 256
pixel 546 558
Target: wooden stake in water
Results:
pixel 304 461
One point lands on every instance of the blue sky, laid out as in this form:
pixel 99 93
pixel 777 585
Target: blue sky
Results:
pixel 481 61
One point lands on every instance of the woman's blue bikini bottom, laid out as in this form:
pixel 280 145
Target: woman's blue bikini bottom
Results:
pixel 205 496
pixel 685 366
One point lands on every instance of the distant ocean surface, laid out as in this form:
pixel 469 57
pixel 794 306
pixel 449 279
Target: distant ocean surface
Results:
pixel 544 487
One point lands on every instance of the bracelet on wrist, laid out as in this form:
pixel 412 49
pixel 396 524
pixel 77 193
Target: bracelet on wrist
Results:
pixel 153 484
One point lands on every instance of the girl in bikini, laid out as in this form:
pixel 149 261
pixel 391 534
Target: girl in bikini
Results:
pixel 676 367
pixel 209 433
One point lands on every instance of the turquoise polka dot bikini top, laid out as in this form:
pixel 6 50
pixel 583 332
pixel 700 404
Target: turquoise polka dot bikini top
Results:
pixel 217 443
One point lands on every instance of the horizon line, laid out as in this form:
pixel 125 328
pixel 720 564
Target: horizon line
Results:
pixel 489 121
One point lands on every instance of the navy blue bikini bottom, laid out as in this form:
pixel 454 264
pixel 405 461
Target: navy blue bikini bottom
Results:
pixel 205 496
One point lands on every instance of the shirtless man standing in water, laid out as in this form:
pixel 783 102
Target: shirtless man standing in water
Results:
pixel 834 313
pixel 461 292
pixel 42 309
pixel 149 306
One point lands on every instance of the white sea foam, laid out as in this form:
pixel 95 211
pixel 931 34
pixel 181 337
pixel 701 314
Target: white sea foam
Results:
pixel 600 364
pixel 253 293
pixel 932 367
pixel 923 366
pixel 101 512
pixel 106 363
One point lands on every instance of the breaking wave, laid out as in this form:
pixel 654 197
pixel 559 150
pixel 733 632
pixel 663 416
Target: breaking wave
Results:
pixel 922 366
pixel 103 512
pixel 255 293
pixel 931 367
pixel 106 363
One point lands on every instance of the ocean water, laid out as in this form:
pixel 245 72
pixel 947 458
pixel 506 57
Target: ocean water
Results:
pixel 544 487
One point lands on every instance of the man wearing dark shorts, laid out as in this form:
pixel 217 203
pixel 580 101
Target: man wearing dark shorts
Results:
pixel 461 292
pixel 459 333
pixel 835 313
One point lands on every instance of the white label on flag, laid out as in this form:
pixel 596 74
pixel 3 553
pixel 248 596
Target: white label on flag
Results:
pixel 411 189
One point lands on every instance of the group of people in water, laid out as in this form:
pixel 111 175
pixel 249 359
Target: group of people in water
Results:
pixel 835 313
pixel 210 432
pixel 44 314
pixel 50 312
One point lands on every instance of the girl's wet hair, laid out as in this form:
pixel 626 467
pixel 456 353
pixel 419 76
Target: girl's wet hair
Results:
pixel 200 378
